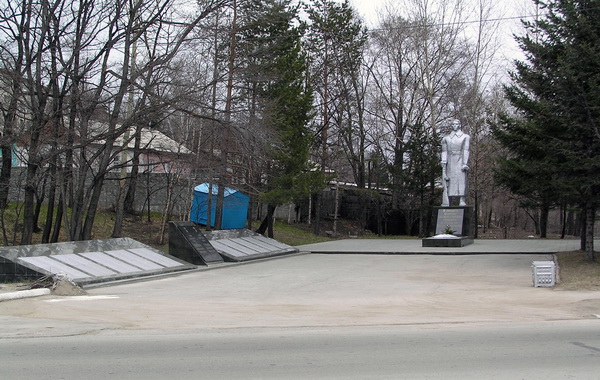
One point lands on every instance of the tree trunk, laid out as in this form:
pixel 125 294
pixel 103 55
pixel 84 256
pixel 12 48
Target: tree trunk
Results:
pixel 535 218
pixel 78 201
pixel 421 213
pixel 119 212
pixel 267 223
pixel 544 211
pixel 563 219
pixel 58 220
pixel 220 204
pixel 318 198
pixel 50 205
pixel 31 180
pixel 129 202
pixel 476 215
pixel 407 221
pixel 92 208
pixel 28 205
pixel 571 224
pixel 336 208
pixel 167 210
pixel 583 227
pixel 379 217
pixel 209 207
pixel 589 230
pixel 363 199
pixel 6 148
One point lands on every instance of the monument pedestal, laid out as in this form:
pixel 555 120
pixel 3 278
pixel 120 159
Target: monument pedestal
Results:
pixel 458 241
pixel 453 227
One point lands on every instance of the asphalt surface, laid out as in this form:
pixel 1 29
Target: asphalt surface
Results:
pixel 310 290
pixel 537 350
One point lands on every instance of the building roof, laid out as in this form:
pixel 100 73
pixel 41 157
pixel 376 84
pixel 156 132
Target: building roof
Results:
pixel 203 188
pixel 154 140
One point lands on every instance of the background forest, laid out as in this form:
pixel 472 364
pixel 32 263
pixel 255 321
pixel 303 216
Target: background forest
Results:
pixel 278 98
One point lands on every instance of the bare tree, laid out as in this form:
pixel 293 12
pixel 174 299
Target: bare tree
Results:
pixel 71 67
pixel 335 42
pixel 419 60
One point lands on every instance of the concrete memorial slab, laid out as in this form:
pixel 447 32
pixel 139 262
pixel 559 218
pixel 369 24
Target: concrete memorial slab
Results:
pixel 87 262
pixel 242 245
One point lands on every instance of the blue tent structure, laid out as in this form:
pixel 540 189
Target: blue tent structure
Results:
pixel 235 207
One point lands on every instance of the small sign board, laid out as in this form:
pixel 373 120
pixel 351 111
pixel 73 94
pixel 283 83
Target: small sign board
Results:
pixel 451 218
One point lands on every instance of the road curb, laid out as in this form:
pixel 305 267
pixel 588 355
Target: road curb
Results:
pixel 24 294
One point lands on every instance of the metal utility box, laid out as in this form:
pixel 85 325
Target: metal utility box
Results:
pixel 544 273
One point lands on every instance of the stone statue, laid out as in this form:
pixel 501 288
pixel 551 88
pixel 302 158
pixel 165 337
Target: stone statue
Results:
pixel 455 158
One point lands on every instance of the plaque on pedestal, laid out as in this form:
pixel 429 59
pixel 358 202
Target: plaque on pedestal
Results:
pixel 457 219
pixel 453 227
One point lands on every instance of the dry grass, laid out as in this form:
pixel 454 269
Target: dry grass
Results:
pixel 576 273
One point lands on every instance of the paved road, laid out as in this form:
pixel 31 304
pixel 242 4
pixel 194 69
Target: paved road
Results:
pixel 547 350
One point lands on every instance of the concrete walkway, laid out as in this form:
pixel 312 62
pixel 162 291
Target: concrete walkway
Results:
pixel 413 247
pixel 311 290
pixel 410 285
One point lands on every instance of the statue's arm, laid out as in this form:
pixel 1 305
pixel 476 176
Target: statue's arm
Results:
pixel 444 157
pixel 466 152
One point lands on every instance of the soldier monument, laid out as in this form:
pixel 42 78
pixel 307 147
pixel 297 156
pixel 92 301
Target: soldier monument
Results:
pixel 453 223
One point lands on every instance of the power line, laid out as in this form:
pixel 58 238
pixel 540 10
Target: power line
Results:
pixel 416 26
pixel 441 24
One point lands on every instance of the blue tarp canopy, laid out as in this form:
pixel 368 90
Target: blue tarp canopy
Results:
pixel 235 207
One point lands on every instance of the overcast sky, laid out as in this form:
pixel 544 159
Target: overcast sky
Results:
pixel 508 11
pixel 505 8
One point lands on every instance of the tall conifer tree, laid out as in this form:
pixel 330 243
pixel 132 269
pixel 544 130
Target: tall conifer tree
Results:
pixel 554 141
pixel 288 105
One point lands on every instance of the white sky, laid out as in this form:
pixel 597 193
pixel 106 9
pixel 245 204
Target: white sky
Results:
pixel 507 11
pixel 504 8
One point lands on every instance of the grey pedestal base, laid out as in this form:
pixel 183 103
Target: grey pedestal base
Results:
pixel 436 242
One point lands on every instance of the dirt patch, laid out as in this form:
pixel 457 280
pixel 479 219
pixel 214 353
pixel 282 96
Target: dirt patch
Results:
pixel 65 287
pixel 58 286
pixel 576 273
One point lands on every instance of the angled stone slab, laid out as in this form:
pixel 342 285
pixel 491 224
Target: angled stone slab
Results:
pixel 109 261
pixel 235 244
pixel 52 266
pixel 155 257
pixel 227 251
pixel 271 242
pixel 133 259
pixel 84 264
pixel 243 245
pixel 87 262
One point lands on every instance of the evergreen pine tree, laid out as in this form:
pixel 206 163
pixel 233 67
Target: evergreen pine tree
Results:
pixel 287 105
pixel 554 140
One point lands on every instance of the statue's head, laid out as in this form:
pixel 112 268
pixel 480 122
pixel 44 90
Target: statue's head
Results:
pixel 455 124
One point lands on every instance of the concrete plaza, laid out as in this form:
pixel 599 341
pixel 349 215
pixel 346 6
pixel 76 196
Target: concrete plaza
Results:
pixel 312 289
pixel 414 247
